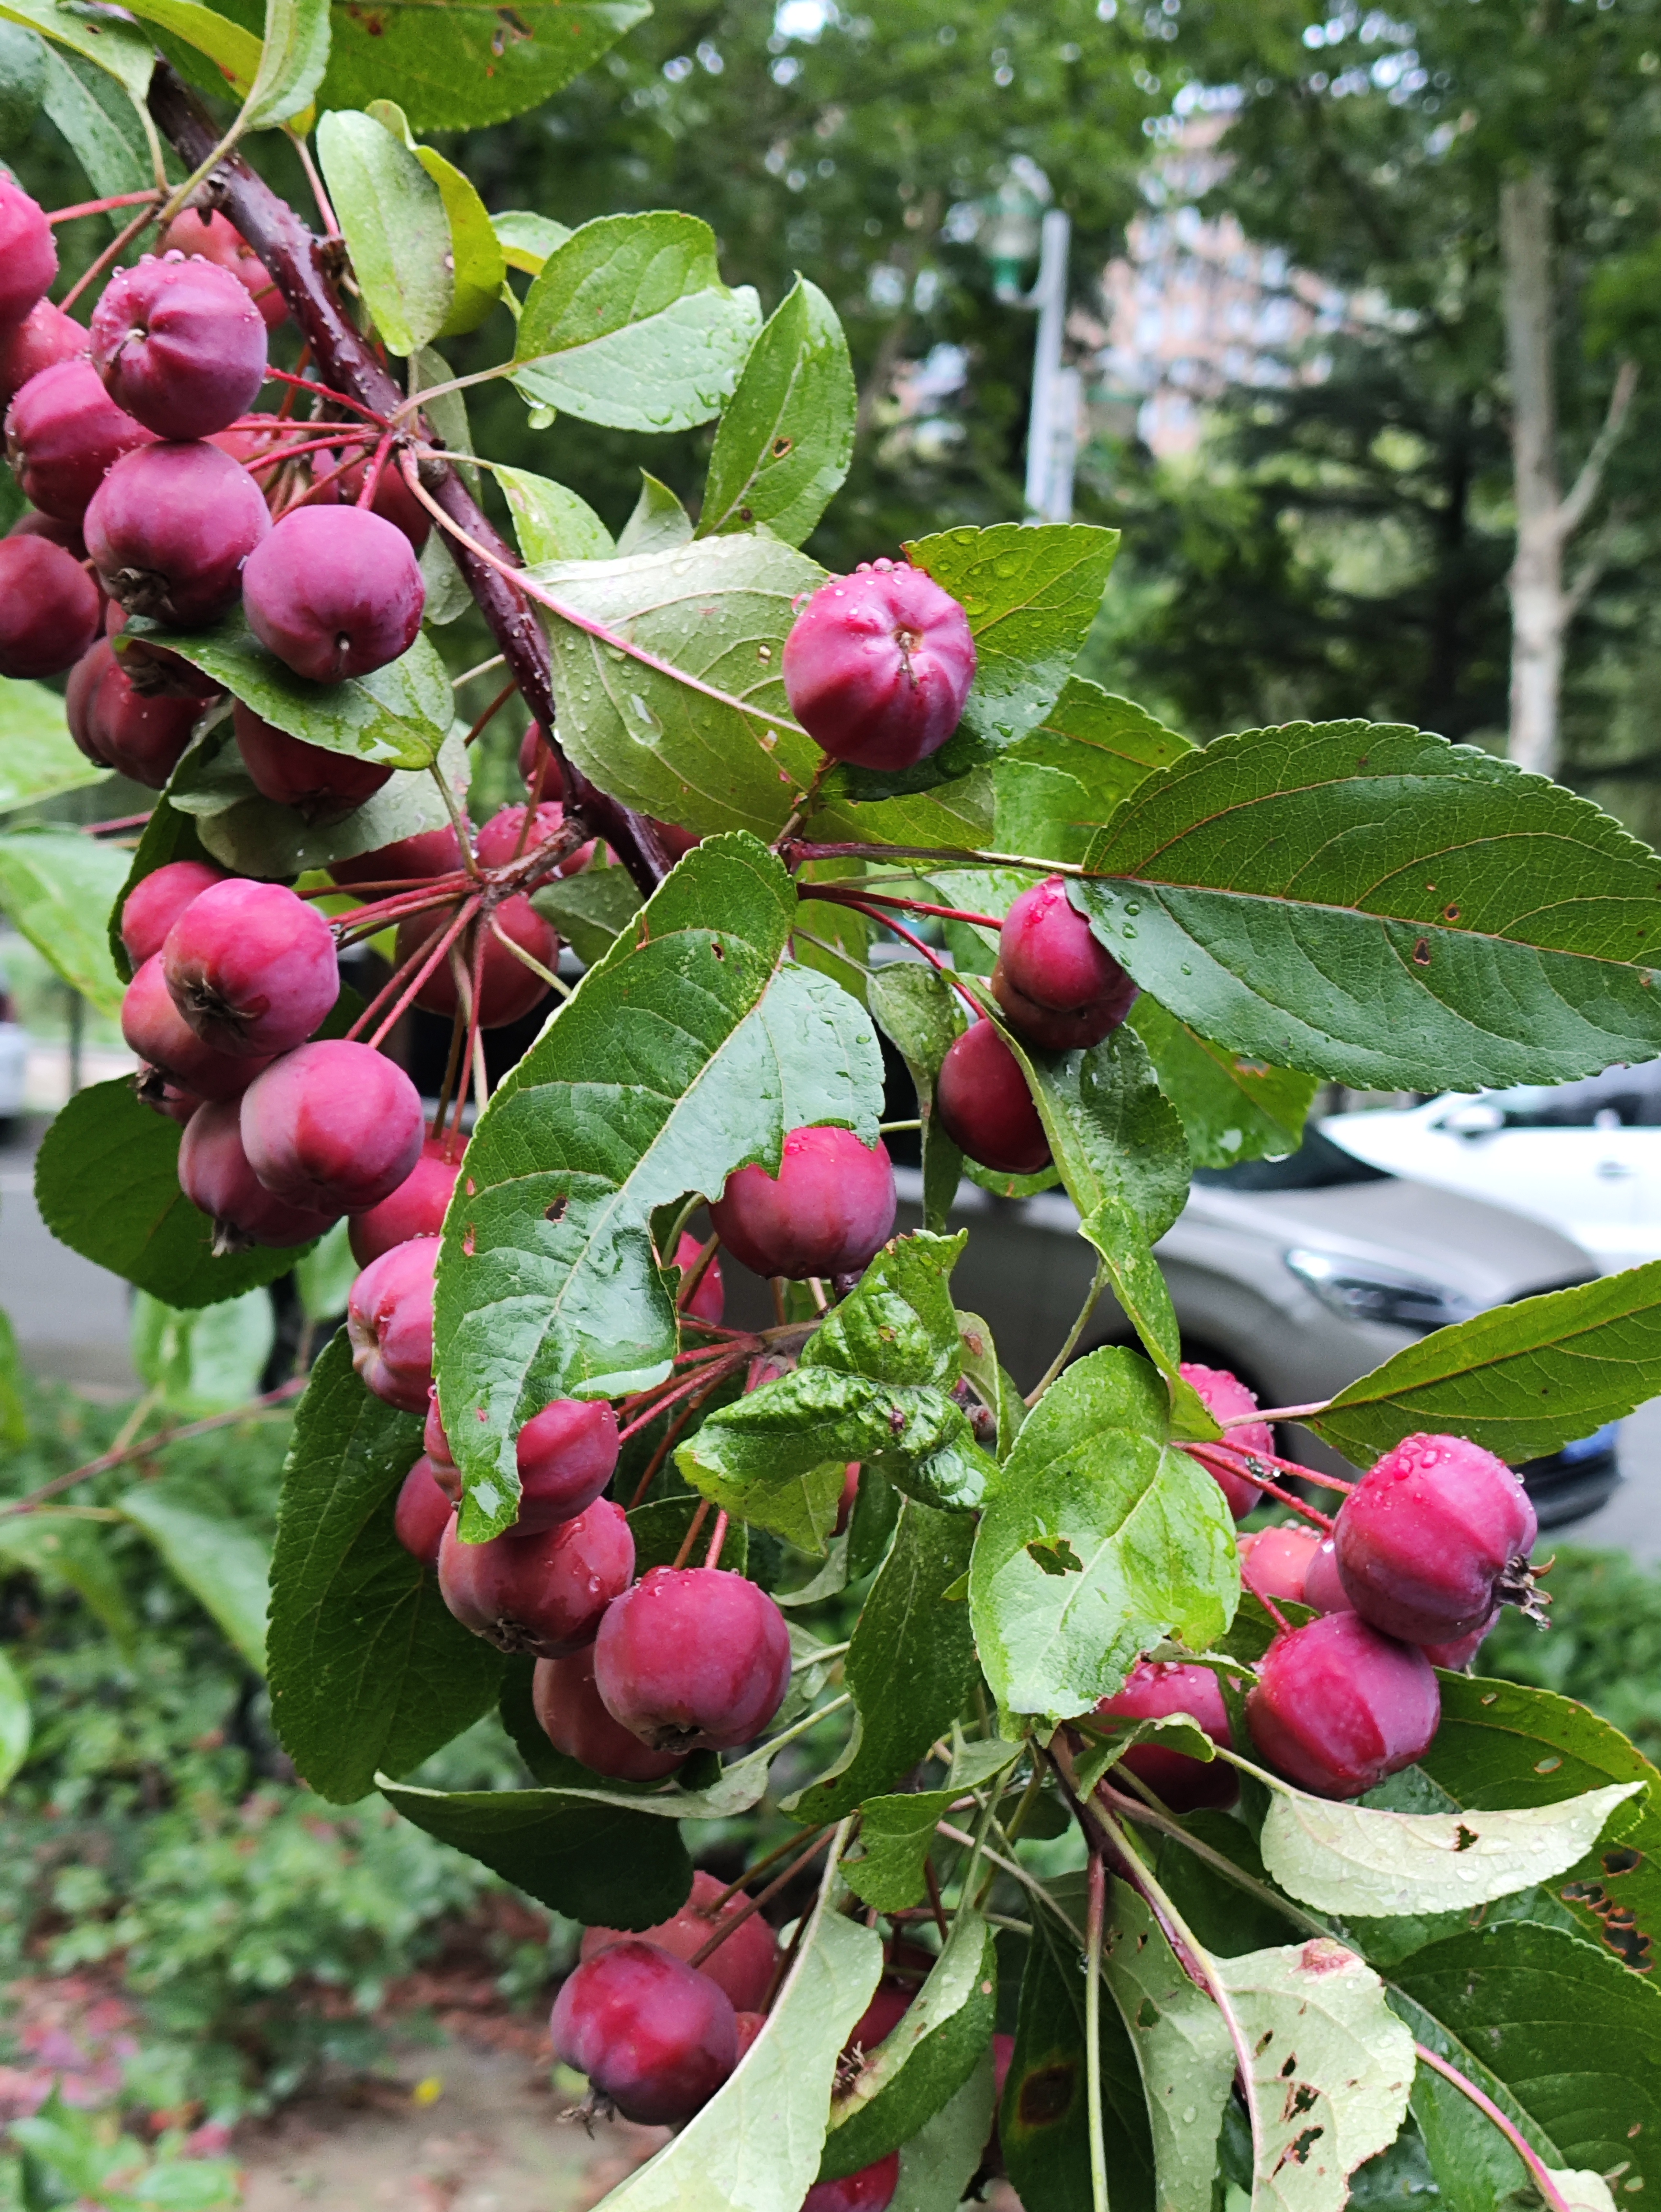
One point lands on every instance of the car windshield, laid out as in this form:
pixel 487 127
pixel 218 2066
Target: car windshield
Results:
pixel 1621 1098
pixel 1317 1164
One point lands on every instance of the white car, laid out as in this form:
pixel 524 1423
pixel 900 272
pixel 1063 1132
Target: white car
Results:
pixel 1584 1157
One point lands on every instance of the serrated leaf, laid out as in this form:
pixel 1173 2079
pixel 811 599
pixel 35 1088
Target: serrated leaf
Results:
pixel 899 1324
pixel 527 239
pixel 105 130
pixel 453 65
pixel 221 1561
pixel 786 435
pixel 1374 904
pixel 1233 1108
pixel 120 49
pixel 915 1007
pixel 548 1286
pixel 1098 1541
pixel 16 1723
pixel 62 1548
pixel 551 523
pixel 396 228
pixel 886 1867
pixel 794 1494
pixel 294 55
pixel 589 911
pixel 1058 784
pixel 38 757
pixel 56 888
pixel 235 52
pixel 203 1359
pixel 1113 1132
pixel 659 522
pixel 1181 2047
pixel 629 323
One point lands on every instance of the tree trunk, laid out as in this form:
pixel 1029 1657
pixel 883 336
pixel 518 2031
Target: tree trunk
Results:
pixel 1539 604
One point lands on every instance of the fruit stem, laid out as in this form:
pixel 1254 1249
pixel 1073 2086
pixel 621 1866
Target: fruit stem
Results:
pixel 755 1904
pixel 1096 1914
pixel 103 207
pixel 935 1903
pixel 529 960
pixel 699 1268
pixel 327 392
pixel 433 957
pixel 691 1536
pixel 1231 1460
pixel 767 1858
pixel 671 1438
pixel 839 895
pixel 706 1378
pixel 1539 2172
pixel 372 474
pixel 121 1453
pixel 1275 1413
pixel 1092 1296
pixel 943 968
pixel 112 252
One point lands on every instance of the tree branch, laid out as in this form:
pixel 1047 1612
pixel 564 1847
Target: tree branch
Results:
pixel 1572 511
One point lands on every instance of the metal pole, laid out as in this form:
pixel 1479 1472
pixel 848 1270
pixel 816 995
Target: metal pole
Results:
pixel 1052 427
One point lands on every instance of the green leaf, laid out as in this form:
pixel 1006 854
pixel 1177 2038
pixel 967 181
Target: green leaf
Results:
pixel 886 1867
pixel 323 1276
pixel 235 52
pixel 899 1324
pixel 993 1384
pixel 1098 1541
pixel 1521 1380
pixel 60 1547
pixel 204 1359
pixel 910 1667
pixel 220 1561
pixel 783 1472
pixel 397 231
pixel 757 2142
pixel 1379 906
pixel 1067 776
pixel 688 1051
pixel 38 757
pixel 293 58
pixel 526 240
pixel 939 2162
pixel 478 265
pixel 719 613
pixel 589 911
pixel 17 1727
pixel 786 435
pixel 1115 1135
pixel 916 1008
pixel 106 1183
pixel 121 49
pixel 14 1412
pixel 56 888
pixel 1233 1108
pixel 1181 2047
pixel 551 523
pixel 22 84
pixel 629 323
pixel 104 132
pixel 453 64
pixel 659 1529
pixel 659 522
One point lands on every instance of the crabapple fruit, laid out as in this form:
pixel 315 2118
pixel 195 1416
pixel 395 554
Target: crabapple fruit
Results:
pixel 321 786
pixel 66 534
pixel 153 669
pixel 1432 1537
pixel 179 344
pixel 422 1513
pixel 742 1964
pixel 251 967
pixel 214 1174
pixel 211 236
pixel 45 336
pixel 416 1208
pixel 870 2190
pixel 653 2036
pixel 1057 984
pixel 429 853
pixel 393 501
pixel 1224 1394
pixel 849 1499
pixel 985 1106
pixel 877 666
pixel 141 733
pixel 1276 1561
pixel 508 988
pixel 498 842
pixel 156 902
pixel 436 1445
pixel 1457 1655
pixel 334 592
pixel 828 1210
pixel 50 610
pixel 544 1594
pixel 333 1125
pixel 1152 1691
pixel 1322 1587
pixel 63 434
pixel 169 530
pixel 566 1455
pixel 81 695
pixel 389 1324
pixel 708 1302
pixel 540 770
pixel 1337 1706
pixel 693 1658
pixel 28 252
pixel 154 1029
pixel 570 1715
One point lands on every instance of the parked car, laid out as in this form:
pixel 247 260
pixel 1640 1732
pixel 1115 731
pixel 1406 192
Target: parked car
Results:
pixel 14 1064
pixel 1584 1156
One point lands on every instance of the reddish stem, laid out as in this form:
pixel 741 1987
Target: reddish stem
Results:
pixel 855 894
pixel 767 1896
pixel 437 952
pixel 1213 1456
pixel 109 829
pixel 718 1537
pixel 490 716
pixel 1539 2172
pixel 691 1536
pixel 942 967
pixel 327 392
pixel 103 207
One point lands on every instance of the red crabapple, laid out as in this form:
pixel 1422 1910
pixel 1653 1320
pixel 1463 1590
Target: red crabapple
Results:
pixel 214 1174
pixel 538 769
pixel 429 853
pixel 28 252
pixel 81 695
pixel 1322 1587
pixel 66 534
pixel 393 501
pixel 890 2002
pixel 64 433
pixel 156 1029
pixel 154 668
pixel 508 988
pixel 251 967
pixel 655 2037
pixel 743 1964
pixel 1457 1655
pixel 389 1323
pixel 1337 1706
pixel 142 734
pixel 416 1208
pixel 214 238
pixel 870 2190
pixel 333 1125
pixel 156 902
pixel 566 1455
pixel 179 344
pixel 169 530
pixel 334 592
pixel 570 1715
pixel 1153 1691
pixel 849 1499
pixel 1434 1535
pixel 1225 1395
pixel 45 336
pixel 436 1445
pixel 692 1657
pixel 422 1513
pixel 750 2025
pixel 544 1594
pixel 322 786
pixel 50 611
pixel 253 438
pixel 985 1106
pixel 828 1210
pixel 708 1302
pixel 498 842
pixel 1056 984
pixel 1275 1562
pixel 877 666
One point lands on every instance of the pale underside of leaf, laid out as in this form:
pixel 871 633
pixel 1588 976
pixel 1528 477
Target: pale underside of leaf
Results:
pixel 1181 2047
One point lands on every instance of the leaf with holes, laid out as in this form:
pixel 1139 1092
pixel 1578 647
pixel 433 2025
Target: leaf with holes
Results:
pixel 1182 2052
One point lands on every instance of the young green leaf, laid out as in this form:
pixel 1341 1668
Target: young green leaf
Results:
pixel 120 49
pixel 56 888
pixel 786 435
pixel 526 240
pixel 105 130
pixel 204 1359
pixel 884 1867
pixel 1233 1108
pixel 1181 2047
pixel 589 911
pixel 221 1561
pixel 16 1723
pixel 476 255
pixel 450 65
pixel 659 522
pixel 1056 784
pixel 293 57
pixel 38 757
pixel 396 228
pixel 552 524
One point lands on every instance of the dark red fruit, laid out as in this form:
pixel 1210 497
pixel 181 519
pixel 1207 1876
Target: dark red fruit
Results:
pixel 870 2190
pixel 570 1715
pixel 566 1455
pixel 179 344
pixel 1457 1655
pixel 1432 1537
pixel 1276 1561
pixel 389 1323
pixel 28 252
pixel 167 1099
pixel 877 666
pixel 429 853
pixel 321 786
pixel 985 1106
pixel 1321 1587
pixel 251 967
pixel 828 1210
pixel 45 336
pixel 742 1964
pixel 393 501
pixel 890 2002
pixel 544 1594
pixel 334 592
pixel 538 767
pixel 693 1658
pixel 1183 1782
pixel 1225 1395
pixel 416 1208
pixel 81 695
pixel 508 988
pixel 141 734
pixel 656 2038
pixel 1337 1706
pixel 1058 986
pixel 64 433
pixel 210 235
pixel 50 609
pixel 708 1302
pixel 154 670
pixel 332 1125
pixel 169 530
pixel 422 1513
pixel 436 1445
pixel 66 534
pixel 156 902
pixel 498 842
pixel 214 1173
pixel 156 1029
pixel 849 1499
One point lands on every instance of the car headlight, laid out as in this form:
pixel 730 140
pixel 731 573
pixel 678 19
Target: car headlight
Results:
pixel 1363 1290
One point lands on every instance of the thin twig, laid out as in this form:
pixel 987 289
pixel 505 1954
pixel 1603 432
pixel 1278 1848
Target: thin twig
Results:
pixel 269 1403
pixel 1091 1301
pixel 1539 2172
pixel 1096 1916
pixel 755 1904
